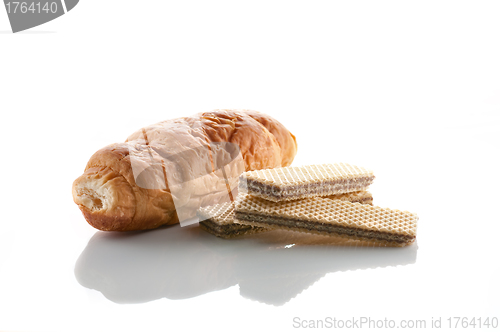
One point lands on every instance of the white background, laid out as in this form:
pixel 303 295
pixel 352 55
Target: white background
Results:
pixel 408 89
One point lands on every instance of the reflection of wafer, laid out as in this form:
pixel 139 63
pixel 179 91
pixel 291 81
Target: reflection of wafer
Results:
pixel 218 219
pixel 329 217
pixel 290 183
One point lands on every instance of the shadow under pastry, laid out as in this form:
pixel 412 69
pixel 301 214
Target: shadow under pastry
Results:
pixel 176 262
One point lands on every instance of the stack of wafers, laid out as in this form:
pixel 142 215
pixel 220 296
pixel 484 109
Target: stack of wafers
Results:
pixel 329 199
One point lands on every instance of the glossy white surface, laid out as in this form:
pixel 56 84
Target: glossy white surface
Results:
pixel 410 92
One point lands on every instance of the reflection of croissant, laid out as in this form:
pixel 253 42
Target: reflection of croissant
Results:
pixel 109 197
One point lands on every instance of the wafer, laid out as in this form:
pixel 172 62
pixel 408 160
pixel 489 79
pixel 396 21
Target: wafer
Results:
pixel 363 197
pixel 218 219
pixel 290 183
pixel 330 217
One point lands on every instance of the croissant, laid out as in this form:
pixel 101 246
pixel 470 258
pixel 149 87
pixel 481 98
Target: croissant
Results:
pixel 145 182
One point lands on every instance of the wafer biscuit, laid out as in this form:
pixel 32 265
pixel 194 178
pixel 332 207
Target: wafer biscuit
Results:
pixel 290 183
pixel 218 219
pixel 363 197
pixel 324 216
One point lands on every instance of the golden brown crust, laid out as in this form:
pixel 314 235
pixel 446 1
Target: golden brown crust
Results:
pixel 285 139
pixel 109 197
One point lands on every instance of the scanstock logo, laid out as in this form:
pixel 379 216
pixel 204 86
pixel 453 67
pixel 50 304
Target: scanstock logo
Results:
pixel 24 15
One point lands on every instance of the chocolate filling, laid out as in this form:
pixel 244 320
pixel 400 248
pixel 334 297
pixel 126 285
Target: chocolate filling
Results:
pixel 361 200
pixel 322 227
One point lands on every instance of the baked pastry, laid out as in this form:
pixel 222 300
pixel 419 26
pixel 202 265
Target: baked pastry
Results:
pixel 127 186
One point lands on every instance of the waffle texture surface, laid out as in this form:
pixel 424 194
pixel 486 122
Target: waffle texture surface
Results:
pixel 290 183
pixel 324 216
pixel 218 219
pixel 221 214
